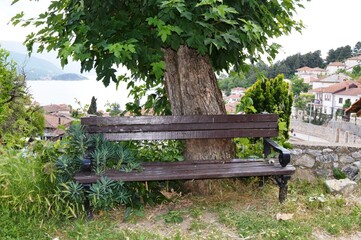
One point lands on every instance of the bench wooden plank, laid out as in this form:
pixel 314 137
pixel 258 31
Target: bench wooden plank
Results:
pixel 123 128
pixel 191 134
pixel 194 171
pixel 149 120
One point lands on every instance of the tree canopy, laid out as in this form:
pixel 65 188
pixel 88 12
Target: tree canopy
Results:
pixel 106 34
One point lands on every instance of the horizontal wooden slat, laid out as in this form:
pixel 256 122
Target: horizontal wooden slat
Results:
pixel 159 172
pixel 179 127
pixel 178 119
pixel 191 134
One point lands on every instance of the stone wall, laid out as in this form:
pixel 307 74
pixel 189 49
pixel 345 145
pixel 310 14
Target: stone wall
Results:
pixel 314 162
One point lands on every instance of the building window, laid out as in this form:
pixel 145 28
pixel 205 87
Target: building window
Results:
pixel 327 97
pixel 340 100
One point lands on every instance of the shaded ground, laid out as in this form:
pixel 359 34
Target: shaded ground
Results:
pixel 247 214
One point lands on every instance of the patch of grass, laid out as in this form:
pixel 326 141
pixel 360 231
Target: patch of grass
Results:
pixel 173 217
pixel 22 226
pixel 246 213
pixel 260 223
pixel 197 225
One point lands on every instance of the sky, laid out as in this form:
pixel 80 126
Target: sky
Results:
pixel 329 24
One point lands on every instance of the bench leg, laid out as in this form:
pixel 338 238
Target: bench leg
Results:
pixel 88 210
pixel 262 181
pixel 282 183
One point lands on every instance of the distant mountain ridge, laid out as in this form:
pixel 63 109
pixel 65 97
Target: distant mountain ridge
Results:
pixel 35 67
pixel 40 69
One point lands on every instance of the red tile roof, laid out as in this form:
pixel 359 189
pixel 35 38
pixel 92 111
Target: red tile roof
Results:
pixel 304 69
pixel 336 64
pixel 355 58
pixel 52 121
pixel 308 69
pixel 56 108
pixel 351 92
pixel 335 88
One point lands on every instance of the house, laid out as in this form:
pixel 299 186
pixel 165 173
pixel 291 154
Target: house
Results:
pixel 354 108
pixel 52 130
pixel 57 108
pixel 333 97
pixel 327 81
pixel 335 67
pixel 231 107
pixel 235 98
pixel 308 73
pixel 353 61
pixel 238 91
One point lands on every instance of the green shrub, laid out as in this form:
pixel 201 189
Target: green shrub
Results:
pixel 78 146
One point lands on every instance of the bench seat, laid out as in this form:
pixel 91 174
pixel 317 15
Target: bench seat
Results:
pixel 188 170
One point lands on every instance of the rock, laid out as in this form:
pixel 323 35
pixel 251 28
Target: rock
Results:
pixel 346 159
pixel 314 153
pixel 284 216
pixel 356 155
pixel 327 158
pixel 357 164
pixel 305 161
pixel 305 174
pixel 342 149
pixel 327 150
pixel 341 186
pixel 296 151
pixel 323 173
pixel 351 172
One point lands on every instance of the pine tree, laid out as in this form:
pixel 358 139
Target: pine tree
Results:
pixel 93 106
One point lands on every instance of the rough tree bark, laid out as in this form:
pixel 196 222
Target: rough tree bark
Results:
pixel 192 90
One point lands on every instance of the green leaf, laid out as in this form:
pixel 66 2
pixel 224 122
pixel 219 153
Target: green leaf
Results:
pixel 158 69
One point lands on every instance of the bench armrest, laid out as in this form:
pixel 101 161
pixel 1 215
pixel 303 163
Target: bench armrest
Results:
pixel 284 156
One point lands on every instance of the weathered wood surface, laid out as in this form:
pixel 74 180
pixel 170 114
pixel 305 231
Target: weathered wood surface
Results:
pixel 188 170
pixel 183 127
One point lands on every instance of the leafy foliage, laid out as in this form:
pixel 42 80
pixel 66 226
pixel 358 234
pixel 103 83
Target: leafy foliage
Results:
pixel 272 96
pixel 108 34
pixel 106 193
pixel 298 86
pixel 302 100
pixel 340 54
pixel 246 105
pixel 19 119
pixel 167 151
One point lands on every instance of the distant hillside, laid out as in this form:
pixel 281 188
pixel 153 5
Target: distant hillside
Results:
pixel 35 68
pixel 69 77
pixel 40 66
pixel 39 69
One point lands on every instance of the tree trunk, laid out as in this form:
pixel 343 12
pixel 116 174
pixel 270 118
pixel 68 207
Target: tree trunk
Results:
pixel 192 90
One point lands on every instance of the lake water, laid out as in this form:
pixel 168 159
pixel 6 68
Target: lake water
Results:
pixel 65 92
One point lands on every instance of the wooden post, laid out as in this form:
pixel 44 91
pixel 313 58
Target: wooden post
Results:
pixel 346 136
pixel 337 135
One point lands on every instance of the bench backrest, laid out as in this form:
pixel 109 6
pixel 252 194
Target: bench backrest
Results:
pixel 182 127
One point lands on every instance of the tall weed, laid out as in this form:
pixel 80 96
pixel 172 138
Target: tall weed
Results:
pixel 27 185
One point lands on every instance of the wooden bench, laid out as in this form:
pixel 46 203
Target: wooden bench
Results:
pixel 194 127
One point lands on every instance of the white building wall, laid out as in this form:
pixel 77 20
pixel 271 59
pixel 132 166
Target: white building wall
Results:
pixel 333 69
pixel 345 97
pixel 351 63
pixel 321 84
